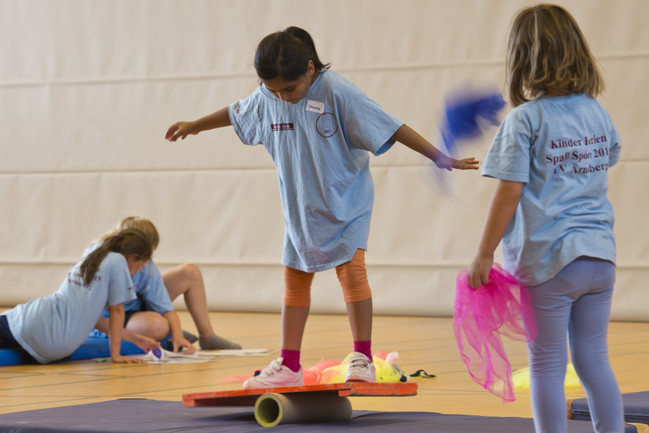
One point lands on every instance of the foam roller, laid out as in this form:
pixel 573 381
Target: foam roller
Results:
pixel 275 409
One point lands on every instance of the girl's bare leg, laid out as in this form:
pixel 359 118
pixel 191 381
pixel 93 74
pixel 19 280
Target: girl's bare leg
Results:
pixel 149 324
pixel 293 324
pixel 187 280
pixel 360 319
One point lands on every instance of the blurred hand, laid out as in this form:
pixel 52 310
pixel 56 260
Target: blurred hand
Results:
pixel 179 341
pixel 445 162
pixel 145 343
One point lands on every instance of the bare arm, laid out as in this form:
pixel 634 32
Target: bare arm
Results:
pixel 410 138
pixel 116 325
pixel 181 130
pixel 177 333
pixel 501 211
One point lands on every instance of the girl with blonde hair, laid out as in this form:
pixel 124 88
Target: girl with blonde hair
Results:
pixel 550 209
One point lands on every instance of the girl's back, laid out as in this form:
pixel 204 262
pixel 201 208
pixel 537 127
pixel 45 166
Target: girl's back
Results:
pixel 561 147
pixel 52 327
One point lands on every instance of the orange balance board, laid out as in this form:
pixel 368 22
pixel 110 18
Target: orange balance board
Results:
pixel 248 397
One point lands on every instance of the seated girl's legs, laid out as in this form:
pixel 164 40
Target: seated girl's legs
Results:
pixel 548 355
pixel 148 323
pixel 187 280
pixel 7 340
pixel 588 332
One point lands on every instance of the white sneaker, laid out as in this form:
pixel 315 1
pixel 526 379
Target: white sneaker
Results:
pixel 361 369
pixel 274 375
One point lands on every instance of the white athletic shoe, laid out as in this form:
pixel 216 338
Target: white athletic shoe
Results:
pixel 274 375
pixel 361 369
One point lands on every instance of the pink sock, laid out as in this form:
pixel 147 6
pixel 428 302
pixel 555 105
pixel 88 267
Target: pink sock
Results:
pixel 364 347
pixel 291 359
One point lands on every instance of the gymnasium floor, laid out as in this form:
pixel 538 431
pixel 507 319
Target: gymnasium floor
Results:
pixel 422 342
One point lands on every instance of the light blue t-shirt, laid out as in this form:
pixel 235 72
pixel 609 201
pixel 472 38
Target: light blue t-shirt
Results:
pixel 320 148
pixel 561 148
pixel 151 294
pixel 53 327
pixel 151 291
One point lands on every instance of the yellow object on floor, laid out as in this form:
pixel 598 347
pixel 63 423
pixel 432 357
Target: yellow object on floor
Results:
pixel 522 378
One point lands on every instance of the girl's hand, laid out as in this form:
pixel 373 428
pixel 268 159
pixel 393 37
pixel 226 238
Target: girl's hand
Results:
pixel 145 343
pixel 445 162
pixel 126 360
pixel 180 130
pixel 180 341
pixel 478 271
pixel 466 163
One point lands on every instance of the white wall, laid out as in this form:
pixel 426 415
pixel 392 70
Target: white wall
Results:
pixel 88 89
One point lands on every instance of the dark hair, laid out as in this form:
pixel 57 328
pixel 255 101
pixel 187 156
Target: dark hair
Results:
pixel 286 54
pixel 125 242
pixel 547 50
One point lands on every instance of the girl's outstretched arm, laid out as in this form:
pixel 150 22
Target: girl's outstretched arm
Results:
pixel 410 138
pixel 181 130
pixel 116 325
pixel 501 211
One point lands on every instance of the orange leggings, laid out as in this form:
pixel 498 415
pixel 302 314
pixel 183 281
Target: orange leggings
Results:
pixel 351 275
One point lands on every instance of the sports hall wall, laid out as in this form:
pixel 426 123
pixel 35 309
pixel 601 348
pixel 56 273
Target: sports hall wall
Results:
pixel 88 89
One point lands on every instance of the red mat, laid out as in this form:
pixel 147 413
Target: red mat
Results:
pixel 248 397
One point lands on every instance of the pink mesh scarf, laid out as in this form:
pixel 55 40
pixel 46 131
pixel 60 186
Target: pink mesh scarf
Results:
pixel 481 317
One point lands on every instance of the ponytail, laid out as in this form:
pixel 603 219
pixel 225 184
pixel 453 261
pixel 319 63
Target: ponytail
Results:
pixel 125 242
pixel 286 55
pixel 305 37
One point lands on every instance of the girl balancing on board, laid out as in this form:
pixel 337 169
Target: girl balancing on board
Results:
pixel 319 128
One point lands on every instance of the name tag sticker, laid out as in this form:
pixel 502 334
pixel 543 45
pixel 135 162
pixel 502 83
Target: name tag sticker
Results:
pixel 315 106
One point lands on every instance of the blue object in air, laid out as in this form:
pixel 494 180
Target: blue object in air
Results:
pixel 461 115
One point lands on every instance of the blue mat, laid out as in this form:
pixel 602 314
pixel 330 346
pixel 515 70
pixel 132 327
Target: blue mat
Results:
pixel 636 408
pixel 93 347
pixel 142 415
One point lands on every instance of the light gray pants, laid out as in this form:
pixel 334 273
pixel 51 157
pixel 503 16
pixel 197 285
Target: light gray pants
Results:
pixel 575 304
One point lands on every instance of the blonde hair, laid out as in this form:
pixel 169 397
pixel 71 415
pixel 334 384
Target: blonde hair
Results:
pixel 547 51
pixel 126 242
pixel 139 223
